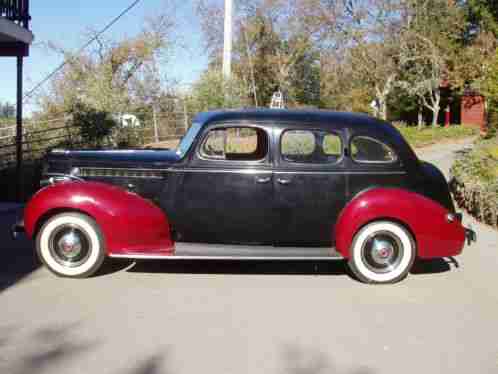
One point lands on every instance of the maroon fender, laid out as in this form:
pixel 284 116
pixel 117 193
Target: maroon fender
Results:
pixel 426 219
pixel 129 222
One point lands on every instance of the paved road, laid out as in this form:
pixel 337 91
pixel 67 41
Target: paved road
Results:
pixel 236 318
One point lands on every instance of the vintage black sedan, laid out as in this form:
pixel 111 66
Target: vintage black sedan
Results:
pixel 250 184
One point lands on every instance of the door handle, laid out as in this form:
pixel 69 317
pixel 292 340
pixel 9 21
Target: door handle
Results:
pixel 263 179
pixel 283 181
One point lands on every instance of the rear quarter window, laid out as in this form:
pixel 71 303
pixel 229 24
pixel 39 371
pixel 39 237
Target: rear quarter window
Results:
pixel 366 149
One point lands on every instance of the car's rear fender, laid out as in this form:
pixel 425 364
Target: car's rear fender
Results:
pixel 129 222
pixel 427 221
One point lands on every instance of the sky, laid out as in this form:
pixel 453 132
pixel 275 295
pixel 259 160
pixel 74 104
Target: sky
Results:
pixel 66 23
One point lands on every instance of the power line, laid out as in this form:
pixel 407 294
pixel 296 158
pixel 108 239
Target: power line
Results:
pixel 95 37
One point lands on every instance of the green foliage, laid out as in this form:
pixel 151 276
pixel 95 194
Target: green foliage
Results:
pixel 481 15
pixel 95 126
pixel 475 180
pixel 490 89
pixel 213 92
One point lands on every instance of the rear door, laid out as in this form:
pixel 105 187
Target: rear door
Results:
pixel 310 184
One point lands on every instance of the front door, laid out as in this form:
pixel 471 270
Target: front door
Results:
pixel 310 185
pixel 225 193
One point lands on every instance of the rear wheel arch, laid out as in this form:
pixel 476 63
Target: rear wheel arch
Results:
pixel 393 219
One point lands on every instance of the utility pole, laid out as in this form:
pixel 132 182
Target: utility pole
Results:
pixel 227 44
pixel 19 130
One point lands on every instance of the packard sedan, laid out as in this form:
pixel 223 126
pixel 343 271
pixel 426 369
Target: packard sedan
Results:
pixel 250 184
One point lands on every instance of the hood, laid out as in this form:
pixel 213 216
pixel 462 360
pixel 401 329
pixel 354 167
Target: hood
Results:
pixel 130 158
pixel 63 161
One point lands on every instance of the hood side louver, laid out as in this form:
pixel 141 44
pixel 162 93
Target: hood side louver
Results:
pixel 120 173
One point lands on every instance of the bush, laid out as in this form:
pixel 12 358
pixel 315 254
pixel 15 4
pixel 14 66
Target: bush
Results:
pixel 475 181
pixel 95 126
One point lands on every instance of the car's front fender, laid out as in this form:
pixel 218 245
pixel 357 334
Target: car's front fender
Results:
pixel 427 220
pixel 129 222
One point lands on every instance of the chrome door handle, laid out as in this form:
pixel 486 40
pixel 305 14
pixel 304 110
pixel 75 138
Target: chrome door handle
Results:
pixel 283 181
pixel 263 180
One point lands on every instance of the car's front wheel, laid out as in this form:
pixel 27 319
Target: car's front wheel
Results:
pixel 382 252
pixel 71 245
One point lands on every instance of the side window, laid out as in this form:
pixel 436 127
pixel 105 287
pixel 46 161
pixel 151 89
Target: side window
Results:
pixel 235 143
pixel 370 150
pixel 310 146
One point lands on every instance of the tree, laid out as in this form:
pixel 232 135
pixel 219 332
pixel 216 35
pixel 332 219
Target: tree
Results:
pixel 115 76
pixel 429 50
pixel 271 51
pixel 210 92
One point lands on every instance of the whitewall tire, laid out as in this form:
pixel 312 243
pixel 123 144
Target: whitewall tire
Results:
pixel 71 245
pixel 382 252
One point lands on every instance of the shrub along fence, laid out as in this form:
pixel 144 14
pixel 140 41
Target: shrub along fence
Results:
pixel 474 181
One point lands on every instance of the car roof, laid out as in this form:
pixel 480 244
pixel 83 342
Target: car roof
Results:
pixel 287 115
pixel 356 123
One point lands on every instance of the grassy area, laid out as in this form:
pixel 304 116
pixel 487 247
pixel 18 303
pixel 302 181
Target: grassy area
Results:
pixel 430 135
pixel 475 182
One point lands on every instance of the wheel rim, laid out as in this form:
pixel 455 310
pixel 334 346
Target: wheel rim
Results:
pixel 69 245
pixel 382 252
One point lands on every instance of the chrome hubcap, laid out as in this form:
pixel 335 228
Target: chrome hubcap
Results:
pixel 382 252
pixel 69 245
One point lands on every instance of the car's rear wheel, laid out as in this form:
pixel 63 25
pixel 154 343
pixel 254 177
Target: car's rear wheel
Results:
pixel 71 245
pixel 382 252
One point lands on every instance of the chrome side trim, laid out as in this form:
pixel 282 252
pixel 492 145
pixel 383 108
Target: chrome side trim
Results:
pixel 242 258
pixel 265 171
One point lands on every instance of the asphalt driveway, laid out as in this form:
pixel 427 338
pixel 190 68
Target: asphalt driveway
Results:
pixel 232 317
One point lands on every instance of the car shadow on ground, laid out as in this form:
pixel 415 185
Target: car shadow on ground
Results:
pixel 255 267
pixel 334 268
pixel 434 266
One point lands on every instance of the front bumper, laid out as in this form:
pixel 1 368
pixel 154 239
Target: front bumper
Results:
pixel 17 229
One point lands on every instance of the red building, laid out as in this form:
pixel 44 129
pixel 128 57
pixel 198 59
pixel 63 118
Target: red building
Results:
pixel 473 110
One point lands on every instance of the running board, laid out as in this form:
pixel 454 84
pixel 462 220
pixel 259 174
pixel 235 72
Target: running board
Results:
pixel 196 251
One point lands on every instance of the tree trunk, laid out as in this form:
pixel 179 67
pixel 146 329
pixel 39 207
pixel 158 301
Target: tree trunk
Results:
pixel 420 118
pixel 435 115
pixel 436 98
pixel 383 110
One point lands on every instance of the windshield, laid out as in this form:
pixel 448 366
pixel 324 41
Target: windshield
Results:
pixel 188 139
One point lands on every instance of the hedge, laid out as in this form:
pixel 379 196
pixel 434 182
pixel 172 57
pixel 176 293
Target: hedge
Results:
pixel 474 181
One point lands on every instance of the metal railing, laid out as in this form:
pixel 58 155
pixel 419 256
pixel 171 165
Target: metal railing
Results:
pixel 15 10
pixel 61 133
